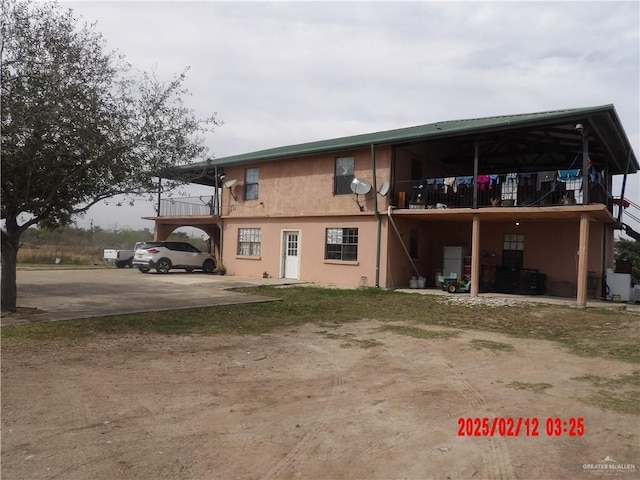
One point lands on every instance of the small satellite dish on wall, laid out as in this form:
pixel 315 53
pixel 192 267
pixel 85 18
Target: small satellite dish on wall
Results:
pixel 360 186
pixel 384 188
pixel 229 184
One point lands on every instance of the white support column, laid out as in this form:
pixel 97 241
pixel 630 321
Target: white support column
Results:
pixel 475 256
pixel 583 251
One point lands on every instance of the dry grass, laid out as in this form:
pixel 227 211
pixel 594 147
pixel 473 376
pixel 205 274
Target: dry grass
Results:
pixel 68 255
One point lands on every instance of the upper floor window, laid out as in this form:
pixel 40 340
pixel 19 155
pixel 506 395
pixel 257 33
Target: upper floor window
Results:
pixel 342 244
pixel 249 242
pixel 343 176
pixel 251 184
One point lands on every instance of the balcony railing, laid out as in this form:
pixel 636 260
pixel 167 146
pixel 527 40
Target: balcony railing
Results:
pixel 515 189
pixel 189 206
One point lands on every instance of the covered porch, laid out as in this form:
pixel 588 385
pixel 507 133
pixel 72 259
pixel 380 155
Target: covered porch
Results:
pixel 568 246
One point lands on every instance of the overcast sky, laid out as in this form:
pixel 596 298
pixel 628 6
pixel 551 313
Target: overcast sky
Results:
pixel 290 72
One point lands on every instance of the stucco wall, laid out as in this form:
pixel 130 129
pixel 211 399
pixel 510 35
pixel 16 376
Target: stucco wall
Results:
pixel 312 236
pixel 305 186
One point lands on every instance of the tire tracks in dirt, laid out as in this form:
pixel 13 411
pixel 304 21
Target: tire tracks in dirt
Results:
pixel 292 461
pixel 495 453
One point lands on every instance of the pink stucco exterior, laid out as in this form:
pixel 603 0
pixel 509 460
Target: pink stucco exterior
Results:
pixel 282 227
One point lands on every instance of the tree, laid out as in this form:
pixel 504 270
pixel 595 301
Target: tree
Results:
pixel 629 250
pixel 79 125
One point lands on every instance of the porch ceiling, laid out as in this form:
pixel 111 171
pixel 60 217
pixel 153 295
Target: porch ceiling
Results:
pixel 596 212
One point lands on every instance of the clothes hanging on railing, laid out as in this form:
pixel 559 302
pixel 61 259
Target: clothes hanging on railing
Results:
pixel 484 182
pixel 450 182
pixel 465 181
pixel 511 178
pixel 494 180
pixel 569 175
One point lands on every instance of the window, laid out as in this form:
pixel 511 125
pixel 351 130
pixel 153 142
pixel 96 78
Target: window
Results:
pixel 251 184
pixel 344 175
pixel 249 242
pixel 342 244
pixel 513 250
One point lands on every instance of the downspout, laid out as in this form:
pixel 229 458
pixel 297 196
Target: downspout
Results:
pixel 389 210
pixel 377 213
pixel 216 212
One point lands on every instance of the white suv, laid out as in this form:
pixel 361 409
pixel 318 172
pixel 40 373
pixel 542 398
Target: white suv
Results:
pixel 163 256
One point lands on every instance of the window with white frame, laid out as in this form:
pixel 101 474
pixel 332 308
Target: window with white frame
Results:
pixel 513 250
pixel 343 175
pixel 249 242
pixel 251 184
pixel 342 244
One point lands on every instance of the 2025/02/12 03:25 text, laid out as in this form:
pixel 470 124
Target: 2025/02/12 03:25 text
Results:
pixel 516 426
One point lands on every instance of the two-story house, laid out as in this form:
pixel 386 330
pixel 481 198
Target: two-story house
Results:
pixel 526 200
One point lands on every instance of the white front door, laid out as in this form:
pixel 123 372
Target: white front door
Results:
pixel 291 251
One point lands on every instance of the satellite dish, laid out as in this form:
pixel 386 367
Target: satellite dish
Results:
pixel 384 188
pixel 360 186
pixel 230 183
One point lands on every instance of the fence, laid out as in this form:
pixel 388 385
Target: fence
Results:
pixel 189 206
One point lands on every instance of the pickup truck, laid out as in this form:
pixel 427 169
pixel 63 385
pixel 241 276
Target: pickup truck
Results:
pixel 121 258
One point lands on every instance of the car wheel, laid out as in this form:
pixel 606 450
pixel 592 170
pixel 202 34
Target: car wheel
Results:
pixel 208 266
pixel 163 265
pixel 144 269
pixel 120 264
pixel 452 288
pixel 188 270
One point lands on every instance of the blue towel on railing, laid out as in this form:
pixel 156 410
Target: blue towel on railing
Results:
pixel 468 181
pixel 568 175
pixel 494 179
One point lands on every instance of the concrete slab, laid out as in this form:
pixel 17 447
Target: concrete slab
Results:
pixel 57 294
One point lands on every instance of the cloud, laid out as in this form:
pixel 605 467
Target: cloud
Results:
pixel 280 73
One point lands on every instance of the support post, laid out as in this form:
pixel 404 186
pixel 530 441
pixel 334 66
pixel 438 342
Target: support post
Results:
pixel 475 256
pixel 475 174
pixel 585 167
pixel 583 250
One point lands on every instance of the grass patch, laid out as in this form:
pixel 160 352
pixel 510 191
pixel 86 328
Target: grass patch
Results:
pixel 419 332
pixel 633 379
pixel 614 393
pixel 349 340
pixel 623 402
pixel 494 346
pixel 532 387
pixel 590 332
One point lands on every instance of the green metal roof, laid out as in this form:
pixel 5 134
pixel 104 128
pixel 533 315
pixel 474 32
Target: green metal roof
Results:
pixel 604 117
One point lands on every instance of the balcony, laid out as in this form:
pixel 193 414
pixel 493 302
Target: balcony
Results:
pixel 534 189
pixel 202 206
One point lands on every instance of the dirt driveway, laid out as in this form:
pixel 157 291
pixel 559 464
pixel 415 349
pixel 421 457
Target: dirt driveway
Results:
pixel 322 401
